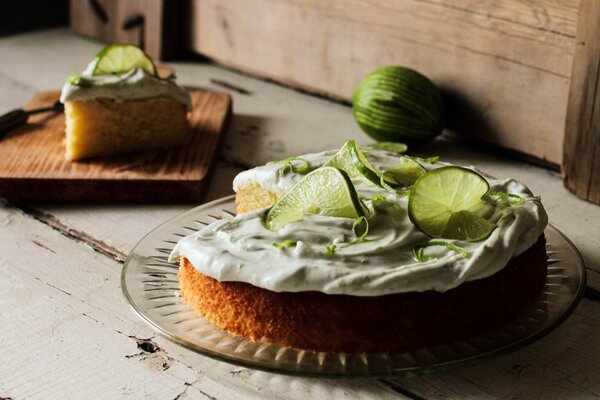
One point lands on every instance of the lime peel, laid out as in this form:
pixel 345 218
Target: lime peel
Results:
pixel 406 172
pixel 288 166
pixel 360 228
pixel 502 198
pixel 381 204
pixel 392 147
pixel 330 249
pixel 419 250
pixel 75 79
pixel 428 160
pixel 285 244
pixel 352 160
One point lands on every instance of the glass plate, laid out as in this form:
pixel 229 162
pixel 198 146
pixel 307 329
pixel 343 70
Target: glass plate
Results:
pixel 150 284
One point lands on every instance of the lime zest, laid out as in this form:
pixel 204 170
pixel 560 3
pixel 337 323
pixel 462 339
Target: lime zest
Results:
pixel 352 160
pixel 406 172
pixel 360 229
pixel 428 160
pixel 503 198
pixel 392 147
pixel 285 244
pixel 381 204
pixel 391 189
pixel 75 79
pixel 365 168
pixel 288 166
pixel 330 249
pixel 419 250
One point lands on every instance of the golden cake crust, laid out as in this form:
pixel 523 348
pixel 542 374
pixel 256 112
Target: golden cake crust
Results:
pixel 390 323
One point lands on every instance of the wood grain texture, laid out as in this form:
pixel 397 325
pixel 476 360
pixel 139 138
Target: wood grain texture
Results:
pixel 68 333
pixel 156 32
pixel 33 166
pixel 505 66
pixel 581 162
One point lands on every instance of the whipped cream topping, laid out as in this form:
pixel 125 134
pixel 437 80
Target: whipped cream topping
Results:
pixel 241 248
pixel 134 84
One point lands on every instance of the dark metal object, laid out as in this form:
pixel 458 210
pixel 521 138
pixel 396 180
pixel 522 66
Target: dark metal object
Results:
pixel 99 10
pixel 18 117
pixel 133 22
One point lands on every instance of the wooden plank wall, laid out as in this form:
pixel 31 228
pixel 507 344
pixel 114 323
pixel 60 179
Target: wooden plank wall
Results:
pixel 147 23
pixel 504 65
pixel 582 142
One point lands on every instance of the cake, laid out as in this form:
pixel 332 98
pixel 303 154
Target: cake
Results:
pixel 289 287
pixel 124 111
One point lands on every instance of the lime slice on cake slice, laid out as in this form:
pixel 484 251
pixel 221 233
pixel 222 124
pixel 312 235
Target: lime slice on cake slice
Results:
pixel 325 191
pixel 350 159
pixel 118 58
pixel 448 203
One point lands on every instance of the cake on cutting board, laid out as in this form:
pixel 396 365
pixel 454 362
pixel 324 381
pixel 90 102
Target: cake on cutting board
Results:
pixel 119 104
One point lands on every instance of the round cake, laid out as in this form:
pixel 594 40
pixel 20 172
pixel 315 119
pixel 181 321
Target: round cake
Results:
pixel 310 286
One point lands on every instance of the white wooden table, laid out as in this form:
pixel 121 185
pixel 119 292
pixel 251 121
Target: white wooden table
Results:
pixel 68 333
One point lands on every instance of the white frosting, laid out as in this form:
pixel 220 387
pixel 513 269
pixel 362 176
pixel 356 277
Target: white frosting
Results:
pixel 241 248
pixel 134 84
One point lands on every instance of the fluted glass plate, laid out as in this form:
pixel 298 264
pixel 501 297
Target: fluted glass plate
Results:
pixel 150 284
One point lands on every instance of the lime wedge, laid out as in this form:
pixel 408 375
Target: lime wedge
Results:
pixel 405 173
pixel 325 191
pixel 118 58
pixel 448 203
pixel 350 159
pixel 392 147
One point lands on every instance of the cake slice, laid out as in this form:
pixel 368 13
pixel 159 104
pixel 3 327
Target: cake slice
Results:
pixel 123 106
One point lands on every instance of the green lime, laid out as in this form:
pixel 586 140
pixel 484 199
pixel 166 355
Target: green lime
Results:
pixel 325 191
pixel 392 147
pixel 448 203
pixel 350 159
pixel 405 173
pixel 398 104
pixel 118 58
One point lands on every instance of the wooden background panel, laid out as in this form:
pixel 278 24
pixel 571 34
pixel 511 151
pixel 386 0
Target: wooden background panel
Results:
pixel 147 23
pixel 582 141
pixel 505 66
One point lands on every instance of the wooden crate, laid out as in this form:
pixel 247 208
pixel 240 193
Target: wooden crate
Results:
pixel 151 24
pixel 506 66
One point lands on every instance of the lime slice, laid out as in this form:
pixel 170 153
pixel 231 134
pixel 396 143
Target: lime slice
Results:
pixel 405 173
pixel 325 191
pixel 448 203
pixel 118 58
pixel 392 147
pixel 350 159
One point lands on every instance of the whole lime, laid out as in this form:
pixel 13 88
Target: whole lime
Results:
pixel 398 104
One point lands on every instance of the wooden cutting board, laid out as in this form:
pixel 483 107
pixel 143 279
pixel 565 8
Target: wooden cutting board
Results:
pixel 33 166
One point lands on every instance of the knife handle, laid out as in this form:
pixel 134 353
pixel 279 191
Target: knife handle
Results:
pixel 12 119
